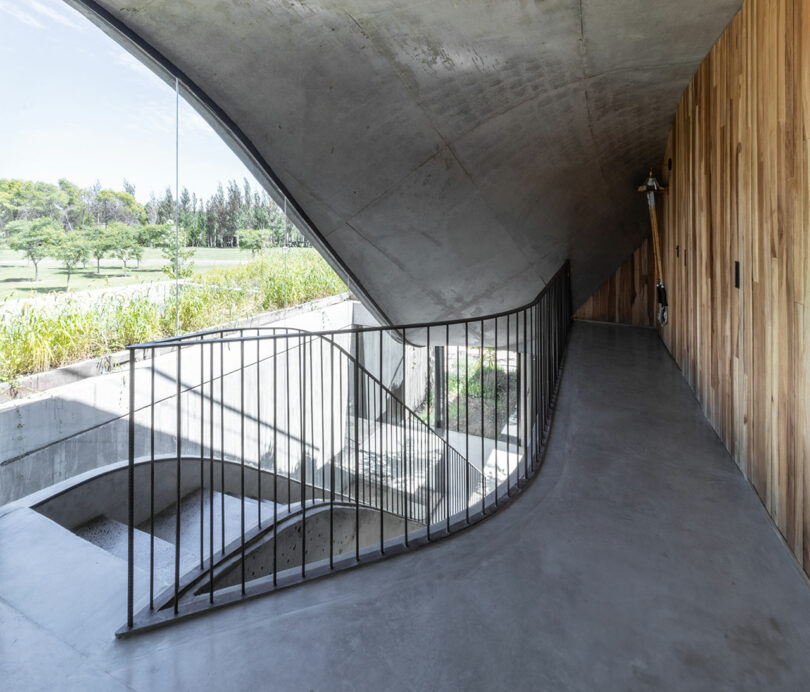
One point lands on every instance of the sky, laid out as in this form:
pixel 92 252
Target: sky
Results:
pixel 76 105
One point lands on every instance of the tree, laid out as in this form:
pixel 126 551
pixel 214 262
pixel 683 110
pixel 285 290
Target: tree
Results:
pixel 72 250
pixel 233 214
pixel 74 212
pixel 254 239
pixel 35 239
pixel 98 243
pixel 91 203
pixel 180 265
pixel 27 200
pixel 136 252
pixel 215 217
pixel 151 209
pixel 119 206
pixel 124 243
pixel 153 235
pixel 165 210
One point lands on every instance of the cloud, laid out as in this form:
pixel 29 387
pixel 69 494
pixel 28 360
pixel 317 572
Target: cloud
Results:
pixel 20 14
pixel 46 9
pixel 191 120
pixel 38 13
pixel 123 59
pixel 160 115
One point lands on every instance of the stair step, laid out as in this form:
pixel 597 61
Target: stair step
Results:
pixel 111 535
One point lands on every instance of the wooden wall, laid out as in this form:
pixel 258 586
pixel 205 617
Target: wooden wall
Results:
pixel 627 297
pixel 739 190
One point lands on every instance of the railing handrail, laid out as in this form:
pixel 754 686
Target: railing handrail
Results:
pixel 382 459
pixel 364 371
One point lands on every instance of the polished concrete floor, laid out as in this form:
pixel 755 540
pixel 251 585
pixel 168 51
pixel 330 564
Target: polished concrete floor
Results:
pixel 639 559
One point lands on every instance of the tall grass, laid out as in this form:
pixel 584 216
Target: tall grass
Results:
pixel 308 277
pixel 40 337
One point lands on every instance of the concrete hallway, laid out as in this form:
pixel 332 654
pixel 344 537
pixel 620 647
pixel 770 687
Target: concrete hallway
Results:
pixel 638 559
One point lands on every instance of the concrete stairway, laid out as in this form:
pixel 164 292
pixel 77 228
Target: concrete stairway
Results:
pixel 111 535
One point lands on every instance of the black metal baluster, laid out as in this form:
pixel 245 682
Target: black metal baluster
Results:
pixel 496 432
pixel 395 451
pixel 211 475
pixel 445 451
pixel 332 455
pixel 483 451
pixel 152 481
pixel 390 458
pixel 426 465
pixel 309 349
pixel 458 385
pixel 222 437
pixel 533 403
pixel 177 494
pixel 525 398
pixel 362 407
pixel 242 450
pixel 467 415
pixel 429 371
pixel 131 496
pixel 542 380
pixel 323 421
pixel 530 385
pixel 508 414
pixel 425 462
pixel 288 423
pixel 355 408
pixel 299 354
pixel 546 336
pixel 380 427
pixel 428 473
pixel 344 426
pixel 404 433
pixel 275 458
pixel 550 327
pixel 202 454
pixel 540 399
pixel 302 344
pixel 259 426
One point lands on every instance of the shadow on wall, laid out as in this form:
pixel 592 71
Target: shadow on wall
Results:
pixel 62 459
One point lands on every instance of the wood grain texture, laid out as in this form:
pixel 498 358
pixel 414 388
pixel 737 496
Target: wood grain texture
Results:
pixel 739 191
pixel 628 296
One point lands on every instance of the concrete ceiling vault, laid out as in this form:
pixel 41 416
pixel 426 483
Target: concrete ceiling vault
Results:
pixel 449 155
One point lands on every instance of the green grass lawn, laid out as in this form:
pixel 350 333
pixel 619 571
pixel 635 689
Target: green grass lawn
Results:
pixel 17 280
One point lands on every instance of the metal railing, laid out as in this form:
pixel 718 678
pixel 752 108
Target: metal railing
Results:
pixel 261 457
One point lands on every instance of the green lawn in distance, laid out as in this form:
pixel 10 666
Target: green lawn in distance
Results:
pixel 17 278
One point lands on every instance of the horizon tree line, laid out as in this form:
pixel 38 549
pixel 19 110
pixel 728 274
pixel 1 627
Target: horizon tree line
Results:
pixel 212 222
pixel 74 224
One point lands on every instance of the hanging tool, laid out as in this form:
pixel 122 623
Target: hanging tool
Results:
pixel 651 186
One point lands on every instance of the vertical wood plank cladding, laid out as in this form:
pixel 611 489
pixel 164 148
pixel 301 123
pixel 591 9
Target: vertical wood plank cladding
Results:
pixel 628 296
pixel 739 191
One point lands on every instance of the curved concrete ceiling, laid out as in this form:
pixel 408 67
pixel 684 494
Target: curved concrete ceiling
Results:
pixel 447 155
